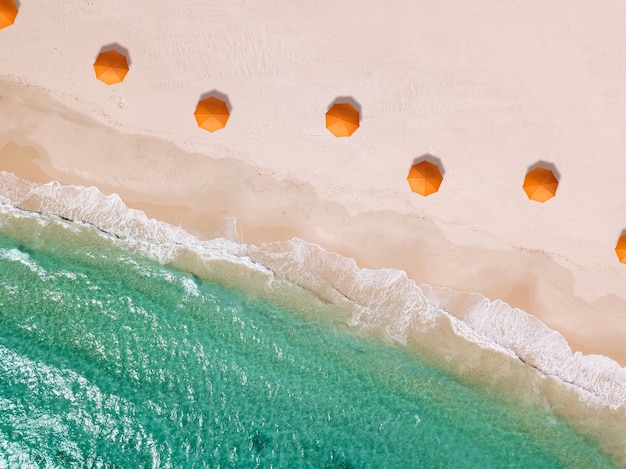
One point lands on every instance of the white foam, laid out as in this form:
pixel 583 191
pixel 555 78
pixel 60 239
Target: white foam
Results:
pixel 88 206
pixel 15 255
pixel 375 299
pixel 599 379
pixel 388 298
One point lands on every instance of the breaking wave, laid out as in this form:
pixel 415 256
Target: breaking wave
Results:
pixel 482 340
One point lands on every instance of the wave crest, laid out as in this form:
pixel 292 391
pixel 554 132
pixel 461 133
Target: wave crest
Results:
pixel 465 330
pixel 387 298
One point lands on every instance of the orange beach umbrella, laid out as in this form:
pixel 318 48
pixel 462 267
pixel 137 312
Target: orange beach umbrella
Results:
pixel 8 12
pixel 620 249
pixel 212 114
pixel 342 120
pixel 111 67
pixel 540 184
pixel 425 178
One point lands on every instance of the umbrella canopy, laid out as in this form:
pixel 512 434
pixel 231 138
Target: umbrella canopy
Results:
pixel 212 114
pixel 342 120
pixel 8 12
pixel 111 67
pixel 620 249
pixel 425 178
pixel 540 184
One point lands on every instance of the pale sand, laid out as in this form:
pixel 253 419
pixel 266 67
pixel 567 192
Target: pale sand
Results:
pixel 489 90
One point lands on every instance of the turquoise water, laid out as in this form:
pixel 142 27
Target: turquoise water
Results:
pixel 108 359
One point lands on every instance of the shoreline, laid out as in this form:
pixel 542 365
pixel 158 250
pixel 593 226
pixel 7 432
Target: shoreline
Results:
pixel 526 388
pixel 275 205
pixel 228 198
pixel 441 325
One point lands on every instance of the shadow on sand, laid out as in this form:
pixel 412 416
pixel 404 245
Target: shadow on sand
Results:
pixel 546 165
pixel 219 95
pixel 431 159
pixel 349 100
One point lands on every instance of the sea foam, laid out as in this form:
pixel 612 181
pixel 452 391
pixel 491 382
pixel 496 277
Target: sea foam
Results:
pixel 471 333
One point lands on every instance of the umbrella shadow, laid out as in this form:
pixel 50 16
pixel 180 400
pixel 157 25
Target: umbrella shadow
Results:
pixel 118 48
pixel 349 100
pixel 546 165
pixel 431 159
pixel 219 95
pixel 18 3
pixel 623 232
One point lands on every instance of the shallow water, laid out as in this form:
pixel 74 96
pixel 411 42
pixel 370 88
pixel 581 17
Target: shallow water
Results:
pixel 109 359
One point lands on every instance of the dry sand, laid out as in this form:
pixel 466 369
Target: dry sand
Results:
pixel 488 89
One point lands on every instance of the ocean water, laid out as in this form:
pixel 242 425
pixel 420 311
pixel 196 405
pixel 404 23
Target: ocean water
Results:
pixel 109 358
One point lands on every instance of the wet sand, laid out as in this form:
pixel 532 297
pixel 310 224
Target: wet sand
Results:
pixel 41 140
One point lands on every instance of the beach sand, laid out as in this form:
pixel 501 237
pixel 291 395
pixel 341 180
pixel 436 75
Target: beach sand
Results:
pixel 488 90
